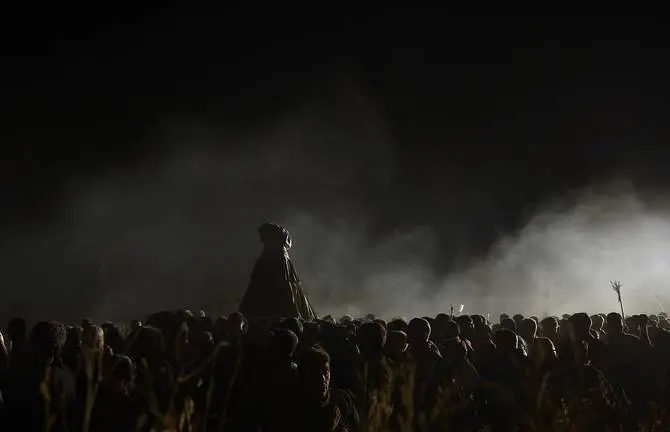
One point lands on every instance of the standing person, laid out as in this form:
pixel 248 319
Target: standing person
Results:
pixel 275 289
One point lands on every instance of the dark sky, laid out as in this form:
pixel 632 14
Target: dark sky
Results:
pixel 518 109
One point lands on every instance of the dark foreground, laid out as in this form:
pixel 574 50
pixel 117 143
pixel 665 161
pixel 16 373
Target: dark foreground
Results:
pixel 184 372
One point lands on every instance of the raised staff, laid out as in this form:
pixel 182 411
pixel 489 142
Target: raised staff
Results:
pixel 616 286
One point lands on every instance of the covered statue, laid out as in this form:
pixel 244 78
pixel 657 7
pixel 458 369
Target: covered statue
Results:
pixel 275 289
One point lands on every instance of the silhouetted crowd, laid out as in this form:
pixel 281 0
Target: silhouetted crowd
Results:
pixel 180 371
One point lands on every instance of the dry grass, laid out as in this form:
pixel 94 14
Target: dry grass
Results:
pixel 452 411
pixel 456 410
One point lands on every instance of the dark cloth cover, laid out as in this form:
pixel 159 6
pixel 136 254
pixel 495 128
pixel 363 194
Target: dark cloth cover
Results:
pixel 275 289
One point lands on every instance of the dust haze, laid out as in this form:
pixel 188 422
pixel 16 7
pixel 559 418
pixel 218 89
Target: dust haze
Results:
pixel 561 262
pixel 179 230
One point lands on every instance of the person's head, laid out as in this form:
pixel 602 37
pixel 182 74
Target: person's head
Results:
pixel 314 373
pixel 93 337
pixel 452 330
pixel 283 343
pixel 148 345
pixel 483 332
pixel 614 324
pixel 466 325
pixel 73 337
pixel 581 324
pixel 396 343
pixel 441 319
pixel 371 338
pixel 48 339
pixel 293 324
pixel 528 329
pixel 398 324
pixel 418 331
pixel 505 340
pixel 346 319
pixel 122 374
pixel 274 236
pixel 382 323
pixel 549 326
pixel 508 324
pixel 597 322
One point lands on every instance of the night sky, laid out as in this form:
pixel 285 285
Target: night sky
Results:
pixel 515 110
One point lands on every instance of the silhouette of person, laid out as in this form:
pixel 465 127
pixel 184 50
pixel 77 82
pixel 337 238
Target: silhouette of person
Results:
pixel 275 289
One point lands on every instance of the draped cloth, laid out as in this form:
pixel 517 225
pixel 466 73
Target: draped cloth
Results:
pixel 275 288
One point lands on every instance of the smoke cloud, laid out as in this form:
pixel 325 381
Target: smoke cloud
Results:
pixel 561 262
pixel 179 230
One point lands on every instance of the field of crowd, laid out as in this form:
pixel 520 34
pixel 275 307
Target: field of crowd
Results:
pixel 180 371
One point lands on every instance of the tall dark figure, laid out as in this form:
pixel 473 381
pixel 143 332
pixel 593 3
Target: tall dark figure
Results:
pixel 275 288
